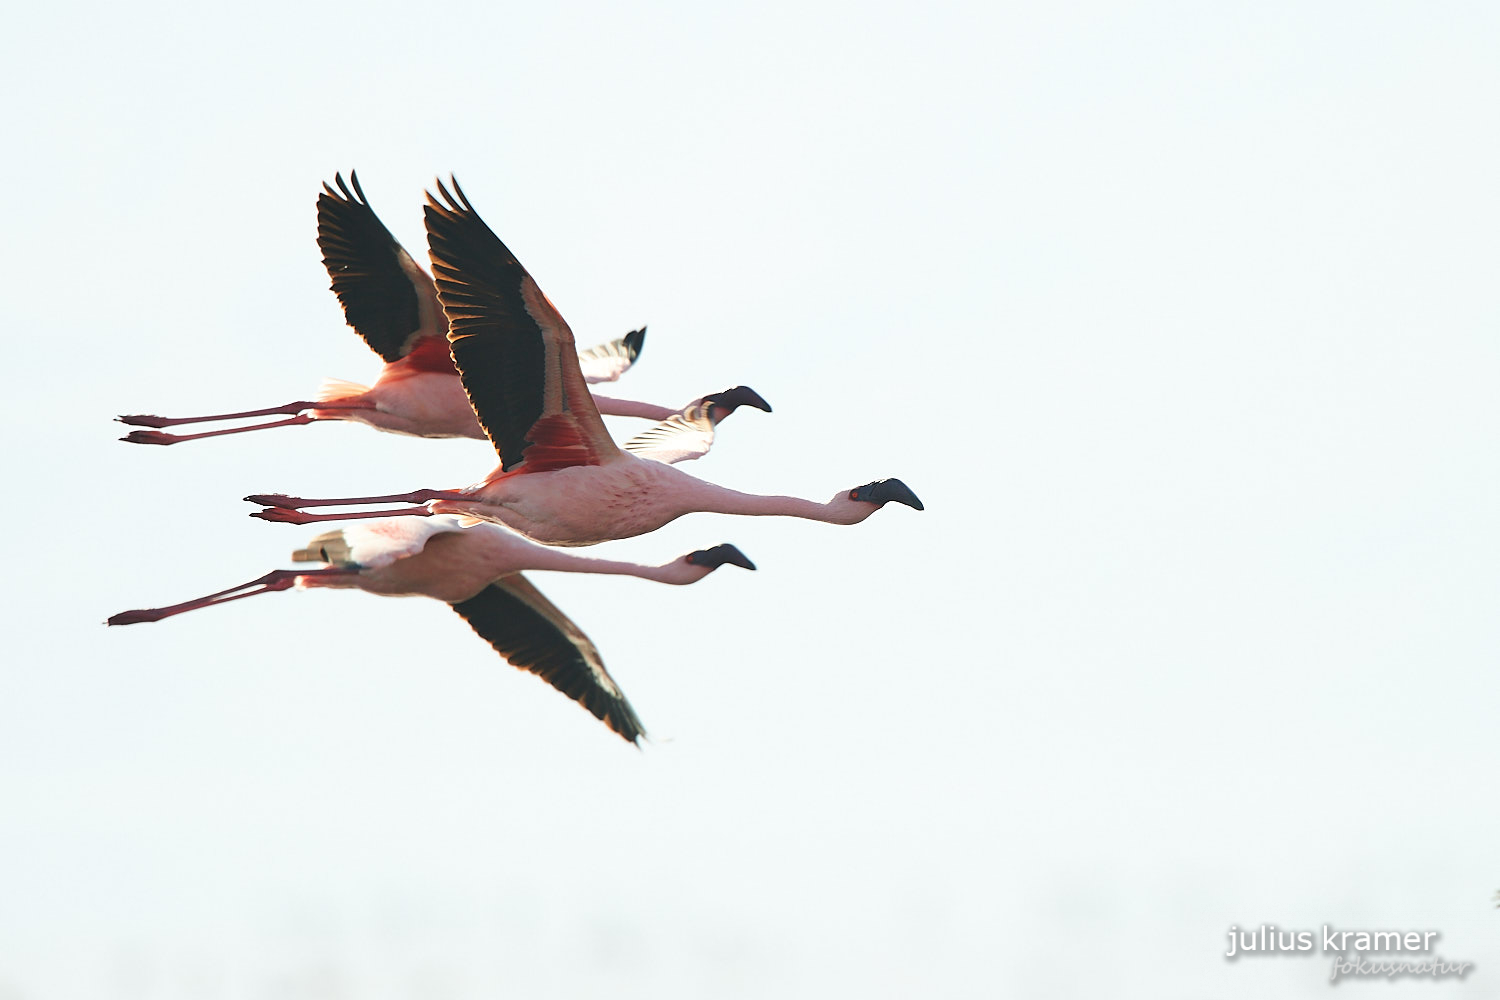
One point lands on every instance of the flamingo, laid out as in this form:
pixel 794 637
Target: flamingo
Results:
pixel 392 303
pixel 561 479
pixel 477 570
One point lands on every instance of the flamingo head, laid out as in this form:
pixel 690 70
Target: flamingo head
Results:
pixel 722 404
pixel 719 555
pixel 883 491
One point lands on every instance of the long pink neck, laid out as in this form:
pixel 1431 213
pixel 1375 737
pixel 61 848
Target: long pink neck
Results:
pixel 676 571
pixel 719 500
pixel 611 407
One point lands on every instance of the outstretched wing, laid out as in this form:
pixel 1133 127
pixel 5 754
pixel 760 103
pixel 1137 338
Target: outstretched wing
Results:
pixel 515 352
pixel 690 434
pixel 377 542
pixel 607 362
pixel 679 438
pixel 387 298
pixel 532 634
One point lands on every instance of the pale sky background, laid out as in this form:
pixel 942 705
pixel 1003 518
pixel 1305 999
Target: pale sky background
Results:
pixel 1180 318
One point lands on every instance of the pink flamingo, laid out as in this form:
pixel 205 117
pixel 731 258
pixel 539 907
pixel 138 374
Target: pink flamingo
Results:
pixel 392 303
pixel 561 479
pixel 478 571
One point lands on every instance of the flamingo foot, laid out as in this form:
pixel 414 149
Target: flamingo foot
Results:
pixel 134 617
pixel 283 515
pixel 275 500
pixel 151 437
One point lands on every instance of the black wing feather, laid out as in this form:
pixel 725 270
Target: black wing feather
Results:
pixel 364 261
pixel 627 348
pixel 496 343
pixel 532 634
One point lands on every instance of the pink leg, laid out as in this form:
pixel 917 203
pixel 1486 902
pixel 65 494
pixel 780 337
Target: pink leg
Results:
pixel 150 420
pixel 160 437
pixel 279 579
pixel 284 515
pixel 296 503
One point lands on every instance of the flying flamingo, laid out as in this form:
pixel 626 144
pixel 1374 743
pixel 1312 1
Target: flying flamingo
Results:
pixel 478 571
pixel 561 479
pixel 391 302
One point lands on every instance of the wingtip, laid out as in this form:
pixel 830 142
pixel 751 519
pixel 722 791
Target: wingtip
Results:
pixel 453 202
pixel 344 194
pixel 461 199
pixel 446 202
pixel 627 725
pixel 635 340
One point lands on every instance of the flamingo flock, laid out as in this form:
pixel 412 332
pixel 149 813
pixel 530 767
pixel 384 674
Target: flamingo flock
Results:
pixel 393 305
pixel 476 350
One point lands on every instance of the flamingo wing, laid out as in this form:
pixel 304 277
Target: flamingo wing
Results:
pixel 679 438
pixel 532 634
pixel 607 362
pixel 387 299
pixel 376 543
pixel 515 352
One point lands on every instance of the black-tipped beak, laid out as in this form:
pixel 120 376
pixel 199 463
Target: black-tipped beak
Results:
pixel 719 555
pixel 884 491
pixel 634 341
pixel 740 395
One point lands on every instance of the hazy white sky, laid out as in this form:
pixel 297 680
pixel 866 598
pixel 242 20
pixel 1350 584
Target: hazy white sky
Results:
pixel 1180 319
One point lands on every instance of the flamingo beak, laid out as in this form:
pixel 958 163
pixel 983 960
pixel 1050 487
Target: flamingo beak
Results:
pixel 884 491
pixel 719 555
pixel 740 395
